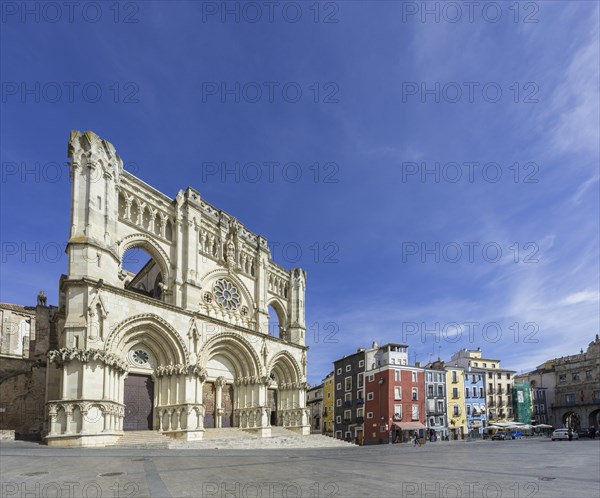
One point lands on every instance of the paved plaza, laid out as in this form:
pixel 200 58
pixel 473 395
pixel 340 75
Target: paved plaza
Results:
pixel 522 468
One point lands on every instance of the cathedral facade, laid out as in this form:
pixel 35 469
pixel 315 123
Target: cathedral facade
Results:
pixel 183 344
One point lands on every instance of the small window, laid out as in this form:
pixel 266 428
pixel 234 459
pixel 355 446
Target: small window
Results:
pixel 348 384
pixel 369 414
pixel 485 365
pixel 371 378
pixel 562 378
pixel 338 402
pixel 398 392
pixel 467 392
pixel 397 375
pixel 348 368
pixel 369 396
pixel 360 412
pixel 339 386
pixel 361 363
pixel 339 371
pixel 348 398
pixel 338 420
pixel 415 393
pixel 414 376
pixel 347 415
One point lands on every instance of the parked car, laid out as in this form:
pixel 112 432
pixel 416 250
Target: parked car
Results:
pixel 517 435
pixel 500 436
pixel 583 433
pixel 563 434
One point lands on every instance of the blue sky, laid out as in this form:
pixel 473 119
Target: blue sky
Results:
pixel 369 105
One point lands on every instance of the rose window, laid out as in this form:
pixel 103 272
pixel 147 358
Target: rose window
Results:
pixel 226 294
pixel 140 357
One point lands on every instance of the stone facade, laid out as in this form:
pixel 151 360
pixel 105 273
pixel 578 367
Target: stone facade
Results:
pixel 26 335
pixel 577 396
pixel 314 402
pixel 328 404
pixel 435 404
pixel 193 327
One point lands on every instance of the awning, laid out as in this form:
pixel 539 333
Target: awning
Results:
pixel 410 426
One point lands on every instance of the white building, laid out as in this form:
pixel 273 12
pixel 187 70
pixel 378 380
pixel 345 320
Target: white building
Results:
pixel 184 345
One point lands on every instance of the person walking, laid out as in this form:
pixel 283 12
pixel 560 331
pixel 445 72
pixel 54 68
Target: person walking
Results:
pixel 570 434
pixel 416 439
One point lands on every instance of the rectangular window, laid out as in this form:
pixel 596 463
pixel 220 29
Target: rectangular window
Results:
pixel 99 202
pixel 397 375
pixel 414 376
pixel 348 398
pixel 441 391
pixel 499 375
pixel 481 395
pixel 466 377
pixel 338 420
pixel 467 392
pixel 398 392
pixel 542 408
pixel 348 384
pixel 398 411
pixel 339 371
pixel 415 412
pixel 430 376
pixel 369 396
pixel 360 412
pixel 440 377
pixel 371 378
pixel 347 415
pixel 360 394
pixel 562 378
pixel 361 363
pixel 369 414
pixel 415 393
pixel 456 410
pixel 468 409
pixel 588 374
pixel 339 386
pixel 455 392
pixel 576 376
pixel 569 399
pixel 454 376
pixel 360 380
pixel 440 407
pixel 348 368
pixel 382 428
pixel 430 390
pixel 338 402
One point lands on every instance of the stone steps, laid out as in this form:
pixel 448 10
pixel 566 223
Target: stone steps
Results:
pixel 143 439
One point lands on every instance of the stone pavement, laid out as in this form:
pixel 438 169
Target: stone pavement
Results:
pixel 533 468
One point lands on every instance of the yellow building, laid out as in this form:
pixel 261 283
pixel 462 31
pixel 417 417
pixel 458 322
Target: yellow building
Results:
pixel 328 400
pixel 455 390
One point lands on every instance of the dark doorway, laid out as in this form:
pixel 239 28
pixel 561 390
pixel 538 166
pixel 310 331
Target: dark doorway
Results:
pixel 138 397
pixel 272 404
pixel 208 399
pixel 227 416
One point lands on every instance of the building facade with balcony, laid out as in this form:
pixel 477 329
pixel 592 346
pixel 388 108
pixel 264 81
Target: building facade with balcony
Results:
pixel 328 404
pixel 475 402
pixel 455 392
pixel 498 383
pixel 349 373
pixel 395 403
pixel 435 403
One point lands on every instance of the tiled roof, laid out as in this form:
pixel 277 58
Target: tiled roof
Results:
pixel 18 308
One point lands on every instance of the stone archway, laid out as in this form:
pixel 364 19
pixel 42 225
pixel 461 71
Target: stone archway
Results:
pixel 571 420
pixel 594 419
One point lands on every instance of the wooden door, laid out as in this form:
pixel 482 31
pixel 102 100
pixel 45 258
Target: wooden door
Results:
pixel 208 399
pixel 138 396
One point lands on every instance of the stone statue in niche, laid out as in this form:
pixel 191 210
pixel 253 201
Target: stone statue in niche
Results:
pixel 41 298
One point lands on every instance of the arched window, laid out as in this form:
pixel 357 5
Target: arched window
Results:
pixel 143 274
pixel 276 322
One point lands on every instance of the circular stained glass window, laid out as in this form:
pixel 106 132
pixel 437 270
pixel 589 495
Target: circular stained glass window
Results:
pixel 140 357
pixel 226 294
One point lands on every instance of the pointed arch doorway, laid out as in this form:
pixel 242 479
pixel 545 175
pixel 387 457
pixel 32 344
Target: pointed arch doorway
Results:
pixel 138 396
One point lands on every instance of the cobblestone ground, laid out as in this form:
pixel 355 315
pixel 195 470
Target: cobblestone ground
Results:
pixel 532 468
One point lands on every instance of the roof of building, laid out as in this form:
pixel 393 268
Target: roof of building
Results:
pixel 18 308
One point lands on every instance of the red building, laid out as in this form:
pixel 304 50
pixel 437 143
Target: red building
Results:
pixel 395 397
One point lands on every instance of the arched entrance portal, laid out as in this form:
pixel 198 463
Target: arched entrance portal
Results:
pixel 138 397
pixel 272 404
pixel 594 420
pixel 571 419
